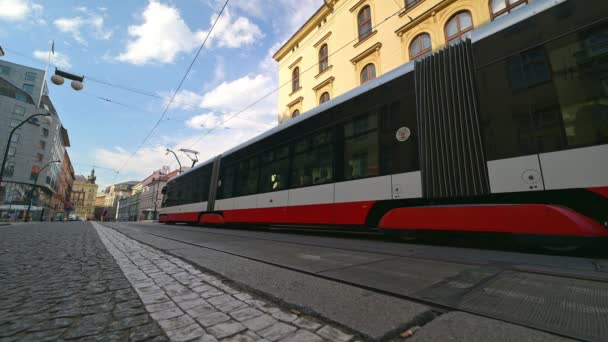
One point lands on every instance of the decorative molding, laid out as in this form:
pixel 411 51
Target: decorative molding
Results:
pixel 322 39
pixel 361 41
pixel 295 62
pixel 422 17
pixel 324 83
pixel 295 102
pixel 369 51
pixel 406 10
pixel 324 71
pixel 359 3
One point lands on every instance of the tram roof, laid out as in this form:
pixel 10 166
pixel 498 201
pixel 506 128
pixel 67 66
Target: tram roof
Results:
pixel 477 34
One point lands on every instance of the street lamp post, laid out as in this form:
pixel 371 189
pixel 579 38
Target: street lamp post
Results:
pixel 29 206
pixel 10 138
pixel 178 162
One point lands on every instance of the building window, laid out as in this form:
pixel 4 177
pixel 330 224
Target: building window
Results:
pixel 12 151
pixel 4 70
pixel 28 88
pixel 14 123
pixel 42 144
pixel 368 73
pixel 411 3
pixel 19 110
pixel 457 26
pixel 420 46
pixel 9 169
pixel 295 113
pixel 21 97
pixel 30 76
pixel 295 79
pixel 324 98
pixel 39 157
pixel 364 21
pixel 503 7
pixel 15 138
pixel 45 132
pixel 323 58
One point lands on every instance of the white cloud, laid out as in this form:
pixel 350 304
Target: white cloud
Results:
pixel 17 10
pixel 59 59
pixel 95 23
pixel 164 34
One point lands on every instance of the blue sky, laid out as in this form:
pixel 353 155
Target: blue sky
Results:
pixel 147 45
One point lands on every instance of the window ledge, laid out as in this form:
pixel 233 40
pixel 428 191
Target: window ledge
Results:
pixel 324 71
pixel 295 91
pixel 361 41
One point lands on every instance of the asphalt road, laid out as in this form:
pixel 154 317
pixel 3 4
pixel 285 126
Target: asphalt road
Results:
pixel 557 294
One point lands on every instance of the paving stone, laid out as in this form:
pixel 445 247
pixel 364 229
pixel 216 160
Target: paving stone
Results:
pixel 259 323
pixel 186 333
pixel 232 306
pixel 176 322
pixel 240 338
pixel 226 329
pixel 166 314
pixel 284 316
pixel 154 298
pixel 185 297
pixel 201 310
pixel 220 300
pixel 202 288
pixel 160 306
pixel 128 312
pixel 144 332
pixel 303 336
pixel 88 325
pixel 242 296
pixel 277 331
pixel 212 319
pixel 306 324
pixel 245 314
pixel 129 322
pixel 333 334
pixel 52 324
pixel 191 303
pixel 211 294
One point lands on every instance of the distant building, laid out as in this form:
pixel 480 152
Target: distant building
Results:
pixel 150 199
pixel 32 146
pixel 84 193
pixel 113 194
pixel 62 199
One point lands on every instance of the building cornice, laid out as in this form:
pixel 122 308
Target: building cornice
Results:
pixel 295 62
pixel 367 52
pixel 322 39
pixel 308 26
pixel 324 83
pixel 422 17
pixel 295 102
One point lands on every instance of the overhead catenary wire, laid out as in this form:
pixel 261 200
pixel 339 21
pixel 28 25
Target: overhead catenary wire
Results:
pixel 288 82
pixel 179 85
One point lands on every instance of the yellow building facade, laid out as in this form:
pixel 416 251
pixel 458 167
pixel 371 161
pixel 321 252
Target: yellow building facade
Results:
pixel 348 42
pixel 84 195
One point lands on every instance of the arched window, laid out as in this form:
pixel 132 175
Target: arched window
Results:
pixel 295 79
pixel 368 73
pixel 502 7
pixel 364 21
pixel 324 98
pixel 323 61
pixel 457 26
pixel 295 113
pixel 420 46
pixel 411 3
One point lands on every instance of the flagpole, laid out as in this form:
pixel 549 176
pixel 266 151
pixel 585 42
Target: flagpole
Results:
pixel 46 70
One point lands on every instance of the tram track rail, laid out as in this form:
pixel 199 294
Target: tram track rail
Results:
pixel 434 305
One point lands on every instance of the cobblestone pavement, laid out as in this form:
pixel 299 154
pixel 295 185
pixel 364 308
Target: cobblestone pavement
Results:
pixel 58 282
pixel 191 305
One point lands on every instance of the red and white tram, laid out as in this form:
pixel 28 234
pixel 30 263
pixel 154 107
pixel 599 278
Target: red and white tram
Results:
pixel 504 132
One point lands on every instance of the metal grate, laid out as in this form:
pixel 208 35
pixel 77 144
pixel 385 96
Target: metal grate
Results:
pixel 452 161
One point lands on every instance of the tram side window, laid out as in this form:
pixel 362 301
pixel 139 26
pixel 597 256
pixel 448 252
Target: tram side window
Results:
pixel 248 174
pixel 274 170
pixel 226 182
pixel 313 160
pixel 572 110
pixel 200 184
pixel 361 147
